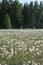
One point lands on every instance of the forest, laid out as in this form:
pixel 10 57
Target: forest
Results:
pixel 15 15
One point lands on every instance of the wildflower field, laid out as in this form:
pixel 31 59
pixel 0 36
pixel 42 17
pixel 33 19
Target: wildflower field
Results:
pixel 21 47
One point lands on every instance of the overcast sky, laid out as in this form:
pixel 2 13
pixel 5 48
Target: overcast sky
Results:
pixel 28 1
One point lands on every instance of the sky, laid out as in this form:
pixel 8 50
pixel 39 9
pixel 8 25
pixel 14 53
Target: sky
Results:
pixel 28 1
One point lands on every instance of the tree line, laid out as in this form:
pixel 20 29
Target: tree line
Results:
pixel 15 15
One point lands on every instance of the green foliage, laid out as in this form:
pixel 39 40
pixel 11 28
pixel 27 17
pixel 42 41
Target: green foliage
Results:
pixel 7 22
pixel 22 16
pixel 25 13
pixel 16 18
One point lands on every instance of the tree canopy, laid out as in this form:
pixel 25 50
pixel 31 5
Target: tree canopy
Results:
pixel 15 15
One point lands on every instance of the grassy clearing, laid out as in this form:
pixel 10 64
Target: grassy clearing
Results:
pixel 21 47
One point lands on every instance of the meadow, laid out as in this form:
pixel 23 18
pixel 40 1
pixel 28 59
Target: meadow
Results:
pixel 21 47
